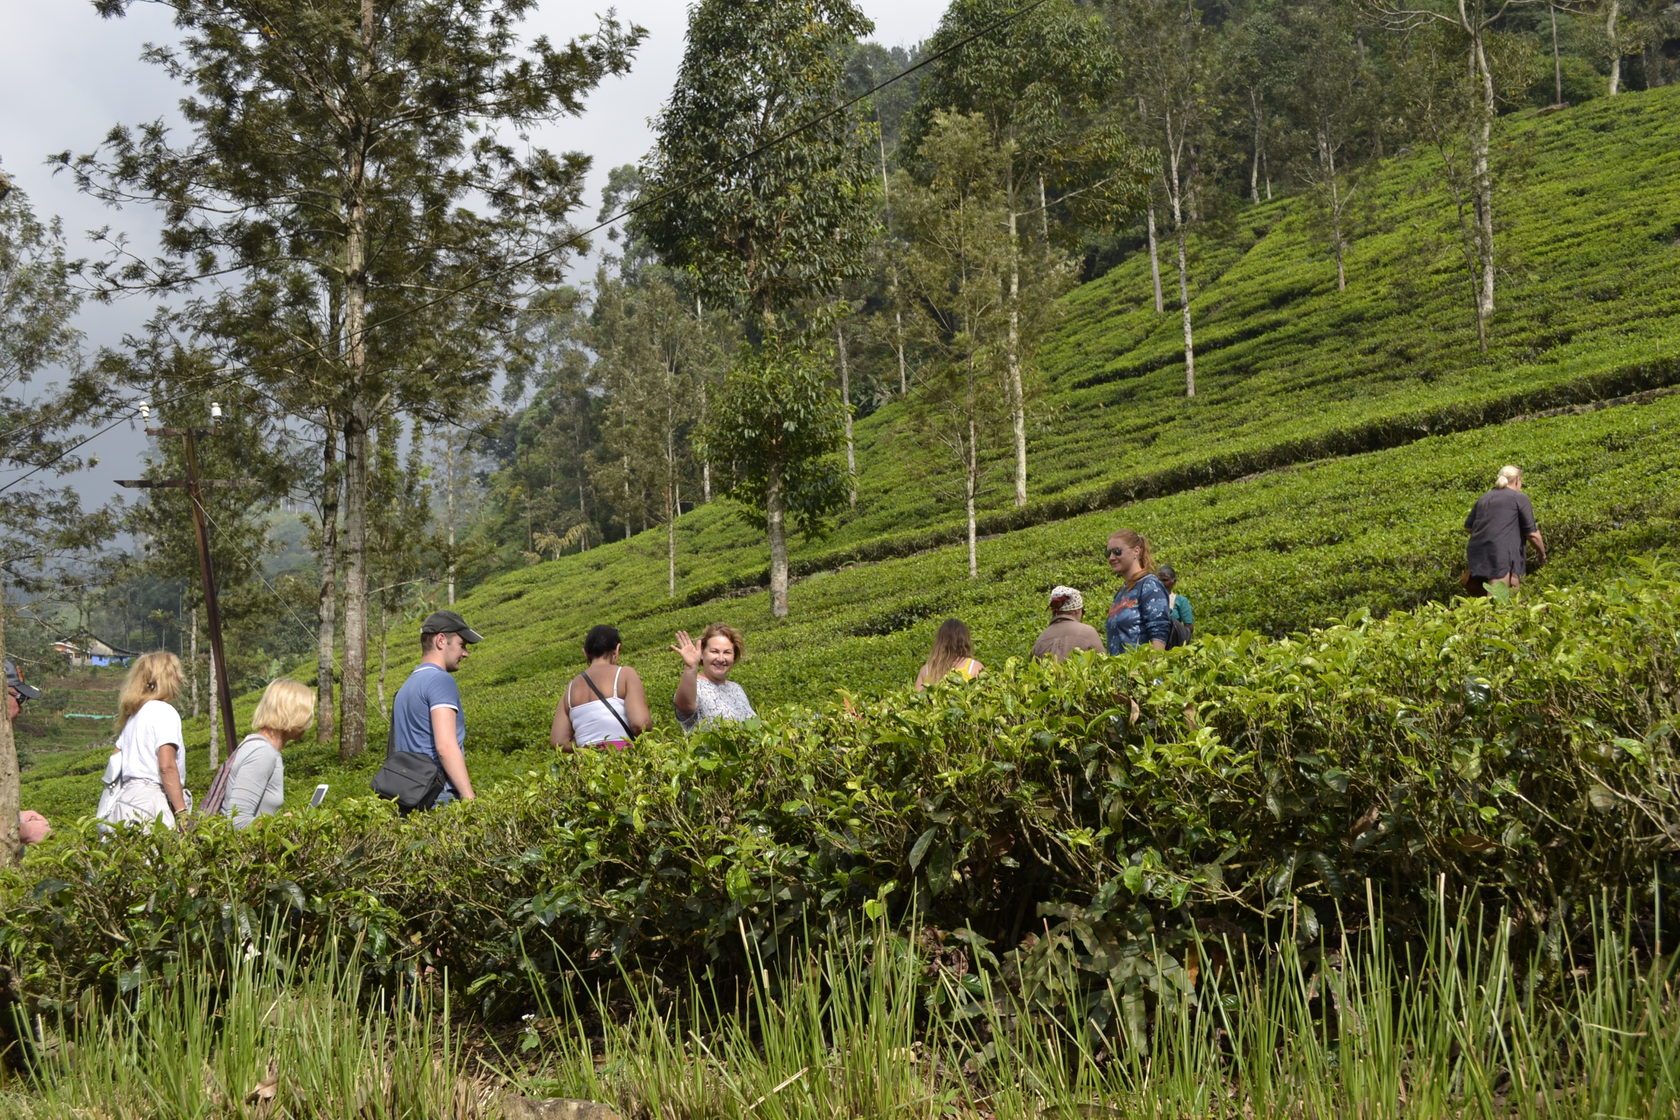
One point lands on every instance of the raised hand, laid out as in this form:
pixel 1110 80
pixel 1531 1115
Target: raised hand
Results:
pixel 688 648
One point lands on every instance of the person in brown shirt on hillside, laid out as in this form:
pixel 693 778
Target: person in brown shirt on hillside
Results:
pixel 1066 633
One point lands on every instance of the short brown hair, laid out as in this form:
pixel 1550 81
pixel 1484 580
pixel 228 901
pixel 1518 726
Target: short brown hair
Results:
pixel 734 636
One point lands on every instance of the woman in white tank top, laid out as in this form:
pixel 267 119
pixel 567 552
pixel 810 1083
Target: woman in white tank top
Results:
pixel 605 705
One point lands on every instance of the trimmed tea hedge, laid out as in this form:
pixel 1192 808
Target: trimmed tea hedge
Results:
pixel 1099 809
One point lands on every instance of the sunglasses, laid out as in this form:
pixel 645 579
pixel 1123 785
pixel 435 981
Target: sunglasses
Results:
pixel 1117 550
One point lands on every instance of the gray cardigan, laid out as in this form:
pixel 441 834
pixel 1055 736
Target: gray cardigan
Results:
pixel 256 782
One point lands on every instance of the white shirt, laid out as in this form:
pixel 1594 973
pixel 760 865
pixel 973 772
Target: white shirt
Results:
pixel 155 724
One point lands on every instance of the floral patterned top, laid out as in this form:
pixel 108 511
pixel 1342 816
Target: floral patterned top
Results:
pixel 714 701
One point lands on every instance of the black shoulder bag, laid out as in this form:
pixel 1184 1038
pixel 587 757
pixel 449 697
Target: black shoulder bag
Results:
pixel 410 779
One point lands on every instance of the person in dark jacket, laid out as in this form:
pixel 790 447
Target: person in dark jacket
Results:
pixel 1500 524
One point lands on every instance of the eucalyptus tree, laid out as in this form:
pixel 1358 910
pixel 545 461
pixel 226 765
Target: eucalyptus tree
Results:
pixel 1630 27
pixel 349 156
pixel 958 273
pixel 1042 78
pixel 879 298
pixel 1327 92
pixel 39 520
pixel 1472 23
pixel 652 355
pixel 1169 62
pixel 760 188
pixel 1254 61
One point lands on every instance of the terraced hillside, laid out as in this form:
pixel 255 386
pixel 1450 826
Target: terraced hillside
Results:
pixel 1324 467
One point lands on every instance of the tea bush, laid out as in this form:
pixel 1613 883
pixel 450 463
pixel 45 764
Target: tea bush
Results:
pixel 1096 811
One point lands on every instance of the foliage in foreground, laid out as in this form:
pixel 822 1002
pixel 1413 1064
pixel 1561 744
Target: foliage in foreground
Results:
pixel 1084 814
pixel 868 1026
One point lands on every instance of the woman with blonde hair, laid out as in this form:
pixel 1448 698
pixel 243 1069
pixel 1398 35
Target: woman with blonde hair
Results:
pixel 705 694
pixel 252 782
pixel 1141 613
pixel 150 758
pixel 953 652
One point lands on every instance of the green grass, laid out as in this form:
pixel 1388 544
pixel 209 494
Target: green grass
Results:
pixel 882 1026
pixel 204 1045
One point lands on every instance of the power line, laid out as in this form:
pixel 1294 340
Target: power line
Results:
pixel 255 565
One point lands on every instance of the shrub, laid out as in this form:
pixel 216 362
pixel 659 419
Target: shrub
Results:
pixel 1523 750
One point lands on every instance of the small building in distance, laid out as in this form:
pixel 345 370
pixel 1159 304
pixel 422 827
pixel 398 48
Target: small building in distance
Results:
pixel 93 652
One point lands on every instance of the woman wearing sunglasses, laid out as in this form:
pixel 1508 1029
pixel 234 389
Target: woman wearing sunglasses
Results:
pixel 1140 614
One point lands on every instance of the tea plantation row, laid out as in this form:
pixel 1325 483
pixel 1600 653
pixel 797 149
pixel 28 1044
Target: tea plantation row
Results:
pixel 1524 750
pixel 1274 554
pixel 1290 369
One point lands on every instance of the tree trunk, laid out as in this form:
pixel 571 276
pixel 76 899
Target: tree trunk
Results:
pixel 1557 60
pixel 775 515
pixel 1189 336
pixel 671 548
pixel 673 505
pixel 846 402
pixel 1254 164
pixel 1611 12
pixel 1016 388
pixel 357 422
pixel 1175 199
pixel 1043 209
pixel 1327 161
pixel 705 464
pixel 216 731
pixel 971 486
pixel 449 510
pixel 192 664
pixel 384 653
pixel 1481 178
pixel 898 342
pixel 9 774
pixel 326 632
pixel 354 737
pixel 1155 261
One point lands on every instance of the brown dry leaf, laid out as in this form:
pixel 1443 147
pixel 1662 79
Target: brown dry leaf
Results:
pixel 264 1092
pixel 1366 822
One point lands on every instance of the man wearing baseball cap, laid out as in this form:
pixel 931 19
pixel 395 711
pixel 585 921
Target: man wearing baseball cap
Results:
pixel 426 716
pixel 1066 633
pixel 32 826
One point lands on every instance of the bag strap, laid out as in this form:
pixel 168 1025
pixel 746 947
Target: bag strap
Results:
pixel 217 793
pixel 597 691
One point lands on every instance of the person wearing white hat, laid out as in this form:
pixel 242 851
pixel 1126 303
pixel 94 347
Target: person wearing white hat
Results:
pixel 1066 633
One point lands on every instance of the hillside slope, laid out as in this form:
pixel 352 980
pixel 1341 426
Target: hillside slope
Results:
pixel 1371 414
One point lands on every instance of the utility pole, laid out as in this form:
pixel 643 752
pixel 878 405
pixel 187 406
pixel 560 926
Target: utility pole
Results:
pixel 192 484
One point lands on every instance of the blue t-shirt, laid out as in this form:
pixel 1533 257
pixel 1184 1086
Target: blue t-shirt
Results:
pixel 426 688
pixel 1138 615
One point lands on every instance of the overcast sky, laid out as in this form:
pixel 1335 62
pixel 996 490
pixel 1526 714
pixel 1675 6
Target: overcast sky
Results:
pixel 67 76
